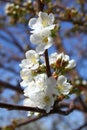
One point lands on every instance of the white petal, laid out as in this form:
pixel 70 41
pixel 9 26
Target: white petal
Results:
pixel 51 86
pixel 40 101
pixel 32 23
pixel 51 82
pixel 32 56
pixel 44 18
pixel 35 66
pixel 26 63
pixel 84 82
pixel 26 74
pixel 71 64
pixel 49 44
pixel 42 58
pixel 43 15
pixel 28 102
pixel 40 49
pixel 29 53
pixel 24 83
pixel 51 27
pixel 35 39
pixel 61 79
pixel 59 56
pixel 66 58
pixel 66 89
pixel 51 18
pixel 31 90
pixel 53 58
pixel 41 77
pixel 49 106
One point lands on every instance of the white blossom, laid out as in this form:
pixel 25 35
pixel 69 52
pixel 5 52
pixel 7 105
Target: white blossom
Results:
pixel 31 61
pixel 37 85
pixel 71 64
pixel 84 82
pixel 40 100
pixel 27 102
pixel 8 7
pixel 32 88
pixel 27 2
pixel 43 101
pixel 53 58
pixel 43 40
pixel 42 92
pixel 51 86
pixel 26 75
pixel 63 87
pixel 77 81
pixel 43 21
pixel 41 34
pixel 63 57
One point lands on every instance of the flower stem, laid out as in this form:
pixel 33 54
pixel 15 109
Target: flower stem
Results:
pixel 40 5
pixel 47 63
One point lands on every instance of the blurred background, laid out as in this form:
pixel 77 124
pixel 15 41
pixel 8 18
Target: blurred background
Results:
pixel 14 42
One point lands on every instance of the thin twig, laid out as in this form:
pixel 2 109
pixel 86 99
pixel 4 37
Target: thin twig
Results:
pixel 40 5
pixel 16 43
pixel 82 103
pixel 29 120
pixel 80 23
pixel 8 69
pixel 12 2
pixel 23 108
pixel 12 87
pixel 54 110
pixel 47 64
pixel 84 125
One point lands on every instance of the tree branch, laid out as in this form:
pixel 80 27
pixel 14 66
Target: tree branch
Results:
pixel 56 110
pixel 80 23
pixel 21 122
pixel 82 103
pixel 29 120
pixel 84 125
pixel 9 86
pixel 47 64
pixel 8 69
pixel 23 108
pixel 16 43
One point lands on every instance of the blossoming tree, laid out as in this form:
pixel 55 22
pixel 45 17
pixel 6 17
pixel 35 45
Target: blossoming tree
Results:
pixel 48 81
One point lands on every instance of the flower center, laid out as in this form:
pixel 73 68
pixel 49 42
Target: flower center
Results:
pixel 33 59
pixel 46 99
pixel 60 87
pixel 44 23
pixel 45 40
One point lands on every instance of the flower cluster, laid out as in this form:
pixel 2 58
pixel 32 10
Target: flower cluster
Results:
pixel 42 31
pixel 13 8
pixel 40 89
pixel 17 11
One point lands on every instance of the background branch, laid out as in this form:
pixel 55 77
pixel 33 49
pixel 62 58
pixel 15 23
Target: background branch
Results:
pixel 12 87
pixel 81 127
pixel 56 110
